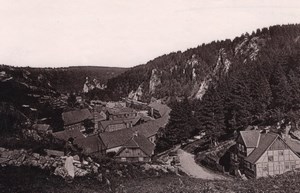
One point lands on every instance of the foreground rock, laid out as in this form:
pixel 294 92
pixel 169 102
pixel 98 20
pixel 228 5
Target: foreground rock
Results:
pixel 51 162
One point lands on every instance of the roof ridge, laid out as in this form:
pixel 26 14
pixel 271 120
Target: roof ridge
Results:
pixel 258 140
pixel 266 148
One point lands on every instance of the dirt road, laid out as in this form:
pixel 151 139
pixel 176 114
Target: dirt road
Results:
pixel 190 167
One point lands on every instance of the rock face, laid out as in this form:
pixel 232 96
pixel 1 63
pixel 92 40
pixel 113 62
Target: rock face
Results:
pixel 56 164
pixel 90 85
pixel 249 47
pixel 137 94
pixel 154 81
pixel 222 66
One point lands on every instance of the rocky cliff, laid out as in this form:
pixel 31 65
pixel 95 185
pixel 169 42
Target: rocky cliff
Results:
pixel 190 73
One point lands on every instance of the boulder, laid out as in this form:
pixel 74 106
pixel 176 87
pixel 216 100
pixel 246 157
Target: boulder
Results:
pixel 21 158
pixel 76 158
pixel 36 155
pixel 6 154
pixel 34 163
pixel 3 160
pixel 95 169
pixel 43 160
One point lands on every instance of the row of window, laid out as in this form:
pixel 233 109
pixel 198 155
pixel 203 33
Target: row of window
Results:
pixel 280 154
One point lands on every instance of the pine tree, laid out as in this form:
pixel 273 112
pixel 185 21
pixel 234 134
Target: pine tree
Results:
pixel 179 127
pixel 239 104
pixel 210 115
pixel 281 90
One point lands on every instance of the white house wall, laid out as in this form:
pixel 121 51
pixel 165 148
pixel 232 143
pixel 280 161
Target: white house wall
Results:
pixel 281 162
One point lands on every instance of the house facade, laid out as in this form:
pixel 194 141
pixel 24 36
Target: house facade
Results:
pixel 74 119
pixel 263 154
pixel 137 149
pixel 121 113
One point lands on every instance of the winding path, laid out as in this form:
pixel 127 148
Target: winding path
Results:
pixel 190 167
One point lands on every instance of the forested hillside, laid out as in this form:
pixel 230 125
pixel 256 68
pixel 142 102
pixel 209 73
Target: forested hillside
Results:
pixel 72 79
pixel 253 79
pixel 262 91
pixel 190 73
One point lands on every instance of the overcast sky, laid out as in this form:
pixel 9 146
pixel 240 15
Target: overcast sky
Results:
pixel 125 33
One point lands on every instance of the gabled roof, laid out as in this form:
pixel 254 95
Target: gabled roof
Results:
pixel 147 129
pixel 99 116
pixel 66 134
pixel 161 108
pixel 293 144
pixel 265 141
pixel 76 116
pixel 105 124
pixel 116 138
pixel 90 144
pixel 122 110
pixel 250 138
pixel 140 141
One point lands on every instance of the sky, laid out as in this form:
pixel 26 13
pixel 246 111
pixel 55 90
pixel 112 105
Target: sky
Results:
pixel 119 33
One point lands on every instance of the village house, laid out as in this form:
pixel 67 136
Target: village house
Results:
pixel 258 154
pixel 66 134
pixel 90 145
pixel 137 149
pixel 120 113
pixel 127 145
pixel 158 110
pixel 150 130
pixel 118 104
pixel 98 118
pixel 115 125
pixel 74 119
pixel 114 141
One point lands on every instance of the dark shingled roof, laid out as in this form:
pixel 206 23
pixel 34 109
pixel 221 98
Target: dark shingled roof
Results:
pixel 140 141
pixel 116 138
pixel 265 141
pixel 161 108
pixel 147 129
pixel 66 134
pixel 90 144
pixel 293 144
pixel 122 110
pixel 105 124
pixel 77 116
pixel 250 138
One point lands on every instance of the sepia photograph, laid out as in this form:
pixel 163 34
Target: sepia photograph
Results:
pixel 140 96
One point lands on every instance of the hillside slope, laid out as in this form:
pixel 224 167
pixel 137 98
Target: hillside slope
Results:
pixel 191 72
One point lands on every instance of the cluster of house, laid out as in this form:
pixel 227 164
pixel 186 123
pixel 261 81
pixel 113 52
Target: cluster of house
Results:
pixel 123 132
pixel 260 153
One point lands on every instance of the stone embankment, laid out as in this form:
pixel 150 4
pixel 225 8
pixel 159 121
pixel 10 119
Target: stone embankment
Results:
pixel 53 163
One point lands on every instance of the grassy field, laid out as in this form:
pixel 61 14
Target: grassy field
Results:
pixel 22 179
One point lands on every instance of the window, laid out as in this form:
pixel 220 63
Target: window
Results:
pixel 280 153
pixel 123 159
pixel 265 168
pixel 287 166
pixel 270 158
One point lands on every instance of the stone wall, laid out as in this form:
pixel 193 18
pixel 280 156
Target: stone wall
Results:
pixel 53 163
